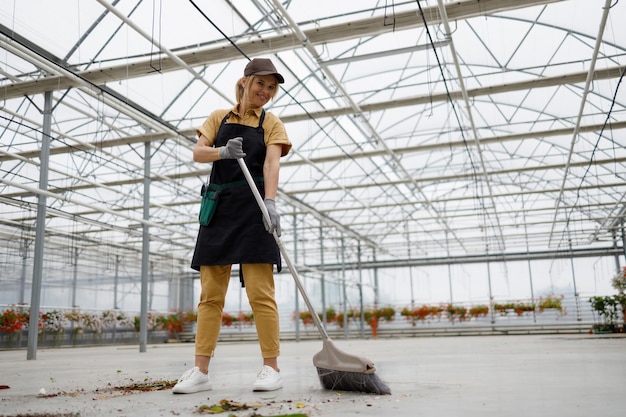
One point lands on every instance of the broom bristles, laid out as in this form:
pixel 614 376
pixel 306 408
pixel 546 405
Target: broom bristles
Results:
pixel 352 381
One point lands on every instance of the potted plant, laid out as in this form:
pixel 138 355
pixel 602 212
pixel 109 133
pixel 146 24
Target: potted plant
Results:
pixel 551 302
pixel 53 323
pixel 372 321
pixel 619 283
pixel 331 315
pixel 479 311
pixel 352 315
pixel 340 319
pixel 521 308
pixel 174 323
pixel 385 313
pixel 375 316
pixel 246 318
pixel 228 319
pixel 190 316
pixel 306 317
pixel 606 308
pixel 456 312
pixel 11 324
pixel 504 308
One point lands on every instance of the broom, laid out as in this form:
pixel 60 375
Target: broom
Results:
pixel 337 370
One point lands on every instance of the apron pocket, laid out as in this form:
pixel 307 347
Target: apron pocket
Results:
pixel 208 204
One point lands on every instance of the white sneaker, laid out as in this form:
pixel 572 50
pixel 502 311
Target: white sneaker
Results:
pixel 267 380
pixel 192 381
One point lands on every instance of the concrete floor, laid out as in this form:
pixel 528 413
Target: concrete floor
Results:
pixel 536 375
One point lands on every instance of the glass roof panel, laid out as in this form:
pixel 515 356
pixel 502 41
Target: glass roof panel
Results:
pixel 498 129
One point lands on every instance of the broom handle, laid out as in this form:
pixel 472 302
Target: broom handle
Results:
pixel 292 268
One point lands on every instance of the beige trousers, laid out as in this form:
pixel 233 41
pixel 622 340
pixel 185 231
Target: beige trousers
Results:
pixel 259 284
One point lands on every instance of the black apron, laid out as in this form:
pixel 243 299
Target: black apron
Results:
pixel 236 234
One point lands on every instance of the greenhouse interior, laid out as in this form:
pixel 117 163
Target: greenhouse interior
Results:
pixel 455 165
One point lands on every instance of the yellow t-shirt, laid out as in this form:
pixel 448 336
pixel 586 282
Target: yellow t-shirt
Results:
pixel 274 129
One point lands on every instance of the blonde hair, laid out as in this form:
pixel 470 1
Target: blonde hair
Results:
pixel 240 90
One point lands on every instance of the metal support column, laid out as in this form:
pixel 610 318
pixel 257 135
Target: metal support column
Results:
pixel 75 278
pixel 40 233
pixel 145 252
pixel 449 270
pixel 323 283
pixel 408 245
pixel 151 286
pixel 618 268
pixel 116 282
pixel 493 318
pixel 297 295
pixel 345 290
pixel 530 271
pixel 532 291
pixel 361 306
pixel 576 300
pixel 376 288
pixel 624 241
pixel 23 273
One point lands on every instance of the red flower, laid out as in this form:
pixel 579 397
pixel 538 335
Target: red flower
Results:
pixel 11 321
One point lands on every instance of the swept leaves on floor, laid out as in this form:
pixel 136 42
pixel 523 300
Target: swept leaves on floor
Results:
pixel 157 385
pixel 109 391
pixel 227 405
pixel 233 406
pixel 224 405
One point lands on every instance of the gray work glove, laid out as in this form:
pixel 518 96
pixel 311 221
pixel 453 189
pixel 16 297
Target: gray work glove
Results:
pixel 274 217
pixel 233 149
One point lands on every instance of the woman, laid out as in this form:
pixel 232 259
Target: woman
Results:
pixel 237 232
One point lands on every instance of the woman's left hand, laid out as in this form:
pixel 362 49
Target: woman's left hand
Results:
pixel 274 217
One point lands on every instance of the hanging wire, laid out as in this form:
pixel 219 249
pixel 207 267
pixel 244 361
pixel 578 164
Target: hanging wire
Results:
pixel 347 154
pixel 593 152
pixel 454 110
pixel 606 122
pixel 219 30
pixel 445 82
pixel 456 114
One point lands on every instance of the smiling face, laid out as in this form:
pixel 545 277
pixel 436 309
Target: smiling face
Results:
pixel 258 90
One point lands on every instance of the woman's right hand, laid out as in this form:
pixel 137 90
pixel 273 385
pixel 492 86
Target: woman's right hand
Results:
pixel 233 149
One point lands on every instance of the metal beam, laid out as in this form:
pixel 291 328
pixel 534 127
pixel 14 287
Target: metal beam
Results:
pixel 582 105
pixel 469 259
pixel 223 52
pixel 567 79
pixel 573 78
pixel 439 178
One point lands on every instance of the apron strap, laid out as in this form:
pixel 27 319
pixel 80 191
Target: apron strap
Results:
pixel 260 126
